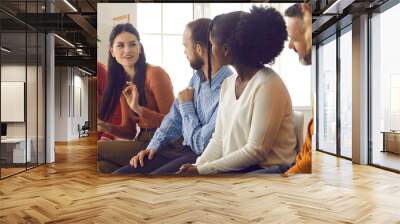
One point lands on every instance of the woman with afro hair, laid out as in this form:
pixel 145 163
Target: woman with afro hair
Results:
pixel 254 128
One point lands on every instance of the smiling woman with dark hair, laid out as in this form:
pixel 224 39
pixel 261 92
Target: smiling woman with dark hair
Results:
pixel 140 92
pixel 254 128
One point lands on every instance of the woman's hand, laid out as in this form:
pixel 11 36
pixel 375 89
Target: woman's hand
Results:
pixel 188 169
pixel 132 98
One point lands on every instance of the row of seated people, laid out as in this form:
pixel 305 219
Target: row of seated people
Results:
pixel 225 121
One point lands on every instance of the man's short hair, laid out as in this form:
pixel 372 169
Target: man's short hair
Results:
pixel 199 30
pixel 294 11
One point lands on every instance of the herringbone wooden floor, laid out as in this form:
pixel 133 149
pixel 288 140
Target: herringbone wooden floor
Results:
pixel 71 191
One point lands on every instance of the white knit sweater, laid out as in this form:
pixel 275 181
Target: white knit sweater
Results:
pixel 255 129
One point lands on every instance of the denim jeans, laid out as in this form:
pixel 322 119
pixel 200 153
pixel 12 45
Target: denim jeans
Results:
pixel 162 163
pixel 271 169
pixel 256 169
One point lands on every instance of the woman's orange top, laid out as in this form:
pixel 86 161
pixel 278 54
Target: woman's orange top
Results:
pixel 303 159
pixel 159 96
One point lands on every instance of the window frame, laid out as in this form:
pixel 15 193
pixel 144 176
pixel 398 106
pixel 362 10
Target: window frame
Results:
pixel 379 10
pixel 329 36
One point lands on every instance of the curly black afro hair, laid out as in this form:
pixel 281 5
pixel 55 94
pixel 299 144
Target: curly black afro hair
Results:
pixel 254 38
pixel 259 37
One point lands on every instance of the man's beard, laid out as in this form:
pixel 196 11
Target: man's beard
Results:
pixel 306 60
pixel 197 63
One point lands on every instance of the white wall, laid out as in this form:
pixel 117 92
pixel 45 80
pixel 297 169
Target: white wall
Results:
pixel 61 103
pixel 69 85
pixel 34 124
pixel 16 73
pixel 13 73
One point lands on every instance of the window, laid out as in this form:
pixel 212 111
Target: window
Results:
pixel 296 76
pixel 346 93
pixel 22 70
pixel 327 96
pixel 385 87
pixel 220 8
pixel 161 29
